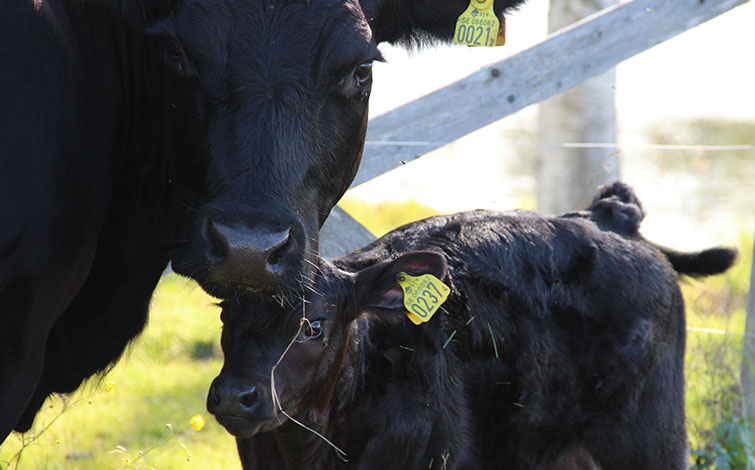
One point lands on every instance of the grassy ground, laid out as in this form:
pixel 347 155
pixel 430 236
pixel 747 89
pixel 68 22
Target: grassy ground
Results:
pixel 143 422
pixel 720 436
pixel 158 386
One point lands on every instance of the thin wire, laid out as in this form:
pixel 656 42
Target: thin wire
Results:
pixel 585 145
pixel 714 331
pixel 276 401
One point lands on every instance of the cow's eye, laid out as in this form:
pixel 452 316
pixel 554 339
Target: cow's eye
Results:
pixel 178 60
pixel 363 73
pixel 313 330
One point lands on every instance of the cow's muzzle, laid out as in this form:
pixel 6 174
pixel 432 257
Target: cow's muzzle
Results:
pixel 257 255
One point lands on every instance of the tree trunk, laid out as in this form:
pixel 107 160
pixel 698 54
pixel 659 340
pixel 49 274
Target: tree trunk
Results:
pixel 568 177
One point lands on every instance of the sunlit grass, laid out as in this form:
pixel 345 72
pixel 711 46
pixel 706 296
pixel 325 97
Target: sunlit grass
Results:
pixel 385 216
pixel 160 384
pixel 713 361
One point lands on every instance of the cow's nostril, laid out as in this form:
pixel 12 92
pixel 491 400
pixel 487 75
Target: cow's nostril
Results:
pixel 257 257
pixel 248 399
pixel 275 256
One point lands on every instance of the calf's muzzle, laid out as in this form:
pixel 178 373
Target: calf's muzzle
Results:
pixel 229 397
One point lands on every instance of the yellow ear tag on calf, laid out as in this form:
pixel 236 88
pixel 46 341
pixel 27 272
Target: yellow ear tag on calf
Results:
pixel 479 26
pixel 423 295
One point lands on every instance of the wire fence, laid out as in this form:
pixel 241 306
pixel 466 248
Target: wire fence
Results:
pixel 575 145
pixel 715 331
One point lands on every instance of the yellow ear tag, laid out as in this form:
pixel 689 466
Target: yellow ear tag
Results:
pixel 423 295
pixel 479 26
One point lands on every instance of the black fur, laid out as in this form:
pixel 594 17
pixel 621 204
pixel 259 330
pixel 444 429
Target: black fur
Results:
pixel 561 346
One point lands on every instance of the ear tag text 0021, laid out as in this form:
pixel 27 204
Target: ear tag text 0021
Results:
pixel 479 26
pixel 423 295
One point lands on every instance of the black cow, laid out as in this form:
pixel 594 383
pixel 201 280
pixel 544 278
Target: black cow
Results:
pixel 561 346
pixel 216 134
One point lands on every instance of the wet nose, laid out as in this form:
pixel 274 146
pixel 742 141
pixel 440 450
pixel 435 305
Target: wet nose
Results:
pixel 256 257
pixel 227 397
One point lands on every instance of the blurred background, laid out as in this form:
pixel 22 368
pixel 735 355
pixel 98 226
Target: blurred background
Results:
pixel 684 137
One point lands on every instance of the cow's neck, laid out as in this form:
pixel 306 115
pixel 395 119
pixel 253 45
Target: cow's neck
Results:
pixel 110 309
pixel 123 71
pixel 130 80
pixel 147 136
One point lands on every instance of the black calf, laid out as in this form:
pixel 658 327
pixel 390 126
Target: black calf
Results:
pixel 561 346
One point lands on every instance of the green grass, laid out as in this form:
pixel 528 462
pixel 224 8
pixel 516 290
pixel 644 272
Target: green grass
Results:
pixel 716 427
pixel 385 216
pixel 162 380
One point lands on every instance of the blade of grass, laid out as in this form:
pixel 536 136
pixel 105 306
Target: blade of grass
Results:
pixel 449 339
pixel 495 347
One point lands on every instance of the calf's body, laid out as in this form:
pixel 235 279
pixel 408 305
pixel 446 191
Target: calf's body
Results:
pixel 561 346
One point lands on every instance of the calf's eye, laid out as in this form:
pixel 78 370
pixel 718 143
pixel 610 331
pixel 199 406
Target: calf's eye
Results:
pixel 313 330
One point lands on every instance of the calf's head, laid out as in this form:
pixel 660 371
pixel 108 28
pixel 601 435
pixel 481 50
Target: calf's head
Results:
pixel 292 356
pixel 269 100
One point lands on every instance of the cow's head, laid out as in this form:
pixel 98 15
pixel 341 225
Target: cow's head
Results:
pixel 270 97
pixel 303 347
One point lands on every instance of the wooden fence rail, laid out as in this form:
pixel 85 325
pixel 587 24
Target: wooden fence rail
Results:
pixel 562 60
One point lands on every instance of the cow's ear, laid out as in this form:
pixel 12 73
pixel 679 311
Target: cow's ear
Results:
pixel 377 287
pixel 414 22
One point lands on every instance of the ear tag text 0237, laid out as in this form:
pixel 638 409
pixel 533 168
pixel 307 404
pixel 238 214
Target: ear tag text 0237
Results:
pixel 479 26
pixel 423 295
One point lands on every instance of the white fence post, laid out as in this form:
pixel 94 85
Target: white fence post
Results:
pixel 568 178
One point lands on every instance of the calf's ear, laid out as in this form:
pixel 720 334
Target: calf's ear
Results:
pixel 412 22
pixel 377 287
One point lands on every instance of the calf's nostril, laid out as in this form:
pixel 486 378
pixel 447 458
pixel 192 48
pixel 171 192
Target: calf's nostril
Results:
pixel 213 399
pixel 248 399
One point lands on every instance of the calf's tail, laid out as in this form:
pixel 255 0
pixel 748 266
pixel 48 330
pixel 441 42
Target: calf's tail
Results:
pixel 700 263
pixel 617 208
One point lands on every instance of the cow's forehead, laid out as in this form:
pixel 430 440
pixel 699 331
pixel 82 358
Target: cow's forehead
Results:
pixel 275 33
